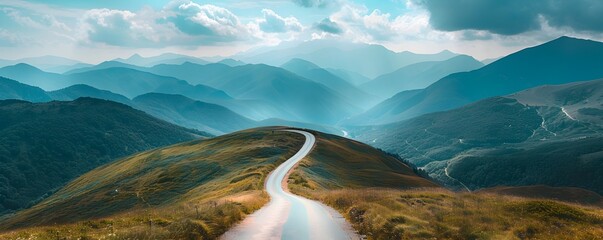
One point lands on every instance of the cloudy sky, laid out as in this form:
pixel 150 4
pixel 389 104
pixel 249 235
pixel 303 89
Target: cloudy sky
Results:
pixel 93 31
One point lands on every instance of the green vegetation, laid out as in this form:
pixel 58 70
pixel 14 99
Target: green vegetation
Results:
pixel 197 189
pixel 45 145
pixel 337 162
pixel 441 136
pixel 576 163
pixel 547 135
pixel 383 199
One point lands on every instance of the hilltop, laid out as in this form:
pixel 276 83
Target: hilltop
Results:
pixel 221 177
pixel 45 145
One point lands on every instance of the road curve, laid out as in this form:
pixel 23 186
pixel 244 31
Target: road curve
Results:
pixel 289 216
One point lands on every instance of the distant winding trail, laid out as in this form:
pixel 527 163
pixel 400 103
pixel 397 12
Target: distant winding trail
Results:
pixel 289 216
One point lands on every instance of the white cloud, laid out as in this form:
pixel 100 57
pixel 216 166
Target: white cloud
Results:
pixel 180 23
pixel 8 39
pixel 21 19
pixel 35 20
pixel 274 23
pixel 360 24
pixel 209 20
pixel 117 27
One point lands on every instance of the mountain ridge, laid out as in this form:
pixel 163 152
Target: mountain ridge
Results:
pixel 562 60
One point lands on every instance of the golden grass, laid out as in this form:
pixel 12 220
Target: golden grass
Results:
pixel 337 162
pixel 195 190
pixel 190 220
pixel 171 202
pixel 344 175
pixel 440 214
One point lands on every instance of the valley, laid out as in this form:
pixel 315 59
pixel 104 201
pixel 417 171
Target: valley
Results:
pixel 301 119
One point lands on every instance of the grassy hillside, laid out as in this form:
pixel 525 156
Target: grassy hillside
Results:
pixel 373 191
pixel 440 214
pixel 45 145
pixel 337 162
pixel 155 194
pixel 199 188
pixel 440 136
pixel 564 194
pixel 572 163
pixel 546 135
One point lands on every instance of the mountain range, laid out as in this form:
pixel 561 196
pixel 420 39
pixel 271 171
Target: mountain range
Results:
pixel 190 113
pixel 125 148
pixel 366 59
pixel 48 63
pixel 11 89
pixel 319 75
pixel 545 135
pixel 419 75
pixel 559 61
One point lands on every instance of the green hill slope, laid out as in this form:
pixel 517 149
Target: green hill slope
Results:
pixel 546 135
pixel 208 185
pixel 45 145
pixel 338 163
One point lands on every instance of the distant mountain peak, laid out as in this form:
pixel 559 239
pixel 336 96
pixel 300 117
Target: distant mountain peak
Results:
pixel 298 63
pixel 566 40
pixel 136 56
pixel 24 67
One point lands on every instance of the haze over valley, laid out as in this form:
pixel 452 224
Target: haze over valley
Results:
pixel 301 119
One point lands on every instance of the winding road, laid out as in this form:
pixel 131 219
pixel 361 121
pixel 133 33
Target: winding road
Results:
pixel 288 216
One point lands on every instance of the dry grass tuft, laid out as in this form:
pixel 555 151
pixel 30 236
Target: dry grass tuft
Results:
pixel 440 214
pixel 195 190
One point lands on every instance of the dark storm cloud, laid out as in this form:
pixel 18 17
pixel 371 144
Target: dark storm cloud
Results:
pixel 510 17
pixel 326 25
